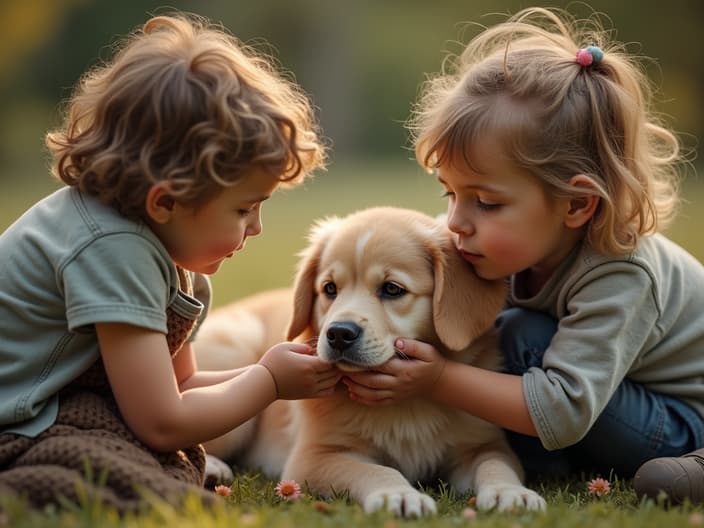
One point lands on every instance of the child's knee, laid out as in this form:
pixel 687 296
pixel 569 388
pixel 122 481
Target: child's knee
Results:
pixel 524 335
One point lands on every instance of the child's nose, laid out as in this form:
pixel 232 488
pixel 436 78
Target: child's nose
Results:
pixel 459 224
pixel 255 227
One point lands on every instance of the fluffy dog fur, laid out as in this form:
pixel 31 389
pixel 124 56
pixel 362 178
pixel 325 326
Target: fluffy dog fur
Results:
pixel 363 281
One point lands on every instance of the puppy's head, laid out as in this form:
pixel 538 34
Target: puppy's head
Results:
pixel 383 273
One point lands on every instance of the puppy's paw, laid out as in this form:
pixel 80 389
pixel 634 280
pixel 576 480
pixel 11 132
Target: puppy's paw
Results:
pixel 508 497
pixel 403 502
pixel 217 472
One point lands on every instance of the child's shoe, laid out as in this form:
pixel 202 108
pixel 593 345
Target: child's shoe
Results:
pixel 673 479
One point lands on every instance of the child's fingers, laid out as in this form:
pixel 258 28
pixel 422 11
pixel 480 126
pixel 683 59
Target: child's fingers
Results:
pixel 335 375
pixel 415 349
pixel 327 385
pixel 329 379
pixel 369 379
pixel 310 363
pixel 322 367
pixel 392 367
pixel 300 348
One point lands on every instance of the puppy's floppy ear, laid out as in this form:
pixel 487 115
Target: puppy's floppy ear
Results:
pixel 304 283
pixel 464 305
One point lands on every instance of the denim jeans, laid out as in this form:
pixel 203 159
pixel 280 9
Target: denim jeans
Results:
pixel 636 425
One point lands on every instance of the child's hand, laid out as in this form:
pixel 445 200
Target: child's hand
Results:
pixel 398 379
pixel 297 373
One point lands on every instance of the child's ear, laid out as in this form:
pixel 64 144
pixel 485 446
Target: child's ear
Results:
pixel 159 203
pixel 581 207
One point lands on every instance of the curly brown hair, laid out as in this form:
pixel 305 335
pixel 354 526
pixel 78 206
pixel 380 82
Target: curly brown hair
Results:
pixel 182 101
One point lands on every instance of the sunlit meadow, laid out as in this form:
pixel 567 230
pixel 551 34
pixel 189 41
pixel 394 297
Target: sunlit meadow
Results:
pixel 269 261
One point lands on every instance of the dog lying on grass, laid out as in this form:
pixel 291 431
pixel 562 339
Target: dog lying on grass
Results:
pixel 363 281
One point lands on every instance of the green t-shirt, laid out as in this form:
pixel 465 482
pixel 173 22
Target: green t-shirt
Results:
pixel 67 263
pixel 640 317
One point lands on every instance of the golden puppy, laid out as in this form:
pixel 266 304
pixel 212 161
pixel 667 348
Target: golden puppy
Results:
pixel 363 281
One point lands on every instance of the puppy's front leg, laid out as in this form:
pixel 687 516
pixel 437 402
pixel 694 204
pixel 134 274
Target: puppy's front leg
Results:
pixel 495 476
pixel 372 485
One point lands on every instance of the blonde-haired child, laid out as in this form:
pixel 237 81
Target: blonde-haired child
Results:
pixel 559 178
pixel 167 153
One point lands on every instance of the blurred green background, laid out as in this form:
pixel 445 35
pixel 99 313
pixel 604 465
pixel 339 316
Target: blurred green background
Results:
pixel 361 62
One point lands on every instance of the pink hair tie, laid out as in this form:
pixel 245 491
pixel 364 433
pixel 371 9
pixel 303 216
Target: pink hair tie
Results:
pixel 590 55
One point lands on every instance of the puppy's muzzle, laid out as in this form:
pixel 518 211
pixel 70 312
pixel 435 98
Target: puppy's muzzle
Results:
pixel 343 339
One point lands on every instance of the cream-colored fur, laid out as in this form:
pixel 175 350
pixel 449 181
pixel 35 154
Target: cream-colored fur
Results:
pixel 381 273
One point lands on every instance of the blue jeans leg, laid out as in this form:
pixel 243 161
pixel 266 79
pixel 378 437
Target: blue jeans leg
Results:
pixel 524 335
pixel 636 425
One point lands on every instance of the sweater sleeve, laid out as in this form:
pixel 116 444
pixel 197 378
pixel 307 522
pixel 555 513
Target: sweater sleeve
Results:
pixel 610 315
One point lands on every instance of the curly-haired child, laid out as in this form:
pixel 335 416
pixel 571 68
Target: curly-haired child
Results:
pixel 167 152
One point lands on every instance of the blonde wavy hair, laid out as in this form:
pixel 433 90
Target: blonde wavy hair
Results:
pixel 182 101
pixel 556 119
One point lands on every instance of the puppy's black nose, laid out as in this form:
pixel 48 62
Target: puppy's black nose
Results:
pixel 342 334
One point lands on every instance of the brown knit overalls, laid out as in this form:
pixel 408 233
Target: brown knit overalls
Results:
pixel 90 452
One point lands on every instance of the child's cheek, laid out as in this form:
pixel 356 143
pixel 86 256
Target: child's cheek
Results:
pixel 505 247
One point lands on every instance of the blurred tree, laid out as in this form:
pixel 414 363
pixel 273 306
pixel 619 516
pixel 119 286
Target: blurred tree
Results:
pixel 27 25
pixel 361 62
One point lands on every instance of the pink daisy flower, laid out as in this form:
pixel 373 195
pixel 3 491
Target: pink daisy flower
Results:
pixel 288 490
pixel 696 519
pixel 598 487
pixel 223 491
pixel 469 513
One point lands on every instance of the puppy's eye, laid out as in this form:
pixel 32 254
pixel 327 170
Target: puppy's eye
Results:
pixel 391 290
pixel 330 289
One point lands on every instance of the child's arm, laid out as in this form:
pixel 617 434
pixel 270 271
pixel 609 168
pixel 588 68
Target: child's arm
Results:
pixel 189 377
pixel 492 396
pixel 145 385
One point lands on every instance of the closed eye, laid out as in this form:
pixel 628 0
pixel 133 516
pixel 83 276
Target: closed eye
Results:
pixel 391 290
pixel 484 206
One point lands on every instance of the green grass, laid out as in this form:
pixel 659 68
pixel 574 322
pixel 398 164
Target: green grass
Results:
pixel 269 261
pixel 253 504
